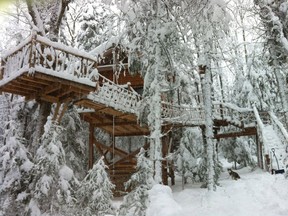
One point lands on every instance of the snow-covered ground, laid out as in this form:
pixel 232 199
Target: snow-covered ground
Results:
pixel 257 193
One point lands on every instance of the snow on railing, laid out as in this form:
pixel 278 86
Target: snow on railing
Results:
pixel 39 52
pixel 283 135
pixel 16 59
pixel 279 127
pixel 234 114
pixel 182 114
pixel 116 96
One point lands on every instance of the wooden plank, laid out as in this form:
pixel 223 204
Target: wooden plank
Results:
pixel 47 98
pixel 13 85
pixel 64 82
pixel 33 84
pixel 26 85
pixel 117 123
pixel 9 89
pixel 30 78
pixel 14 91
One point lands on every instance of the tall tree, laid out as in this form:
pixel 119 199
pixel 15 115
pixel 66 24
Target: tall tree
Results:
pixel 153 33
pixel 212 25
pixel 274 19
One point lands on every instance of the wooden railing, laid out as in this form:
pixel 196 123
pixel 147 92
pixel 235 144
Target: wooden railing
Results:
pixel 113 95
pixel 37 53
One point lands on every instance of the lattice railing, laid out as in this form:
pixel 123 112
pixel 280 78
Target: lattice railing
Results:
pixel 182 114
pixel 235 115
pixel 115 96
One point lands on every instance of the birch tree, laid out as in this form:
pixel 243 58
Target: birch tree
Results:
pixel 209 27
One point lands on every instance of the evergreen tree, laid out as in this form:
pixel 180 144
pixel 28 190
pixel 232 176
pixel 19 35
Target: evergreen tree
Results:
pixel 51 189
pixel 96 24
pixel 74 139
pixel 239 150
pixel 152 31
pixel 15 166
pixel 95 192
pixel 136 201
pixel 189 153
pixel 273 15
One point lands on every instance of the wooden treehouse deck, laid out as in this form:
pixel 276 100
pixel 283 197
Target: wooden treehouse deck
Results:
pixel 47 71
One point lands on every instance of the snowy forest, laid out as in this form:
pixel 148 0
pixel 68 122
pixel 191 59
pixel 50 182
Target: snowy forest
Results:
pixel 214 90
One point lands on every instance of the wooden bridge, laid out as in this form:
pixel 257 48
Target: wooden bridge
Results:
pixel 47 71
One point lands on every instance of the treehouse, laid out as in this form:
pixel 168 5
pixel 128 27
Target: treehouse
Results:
pixel 108 96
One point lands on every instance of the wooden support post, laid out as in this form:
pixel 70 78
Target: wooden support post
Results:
pixel 165 143
pixel 56 112
pixel 259 152
pixel 64 108
pixel 91 146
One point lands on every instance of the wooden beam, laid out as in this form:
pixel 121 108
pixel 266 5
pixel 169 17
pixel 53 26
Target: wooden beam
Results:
pixel 118 151
pixel 98 146
pixel 122 123
pixel 132 154
pixel 29 78
pixel 56 111
pixel 12 85
pixel 64 108
pixel 91 146
pixel 64 82
pixel 247 132
pixel 51 88
pixel 14 91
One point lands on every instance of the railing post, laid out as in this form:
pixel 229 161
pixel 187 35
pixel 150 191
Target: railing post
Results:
pixel 2 69
pixel 32 55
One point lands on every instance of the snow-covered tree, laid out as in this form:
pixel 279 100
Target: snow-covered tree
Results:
pixel 96 24
pixel 74 141
pixel 189 153
pixel 152 31
pixel 136 201
pixel 15 165
pixel 212 24
pixel 51 190
pixel 273 15
pixel 95 192
pixel 239 151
